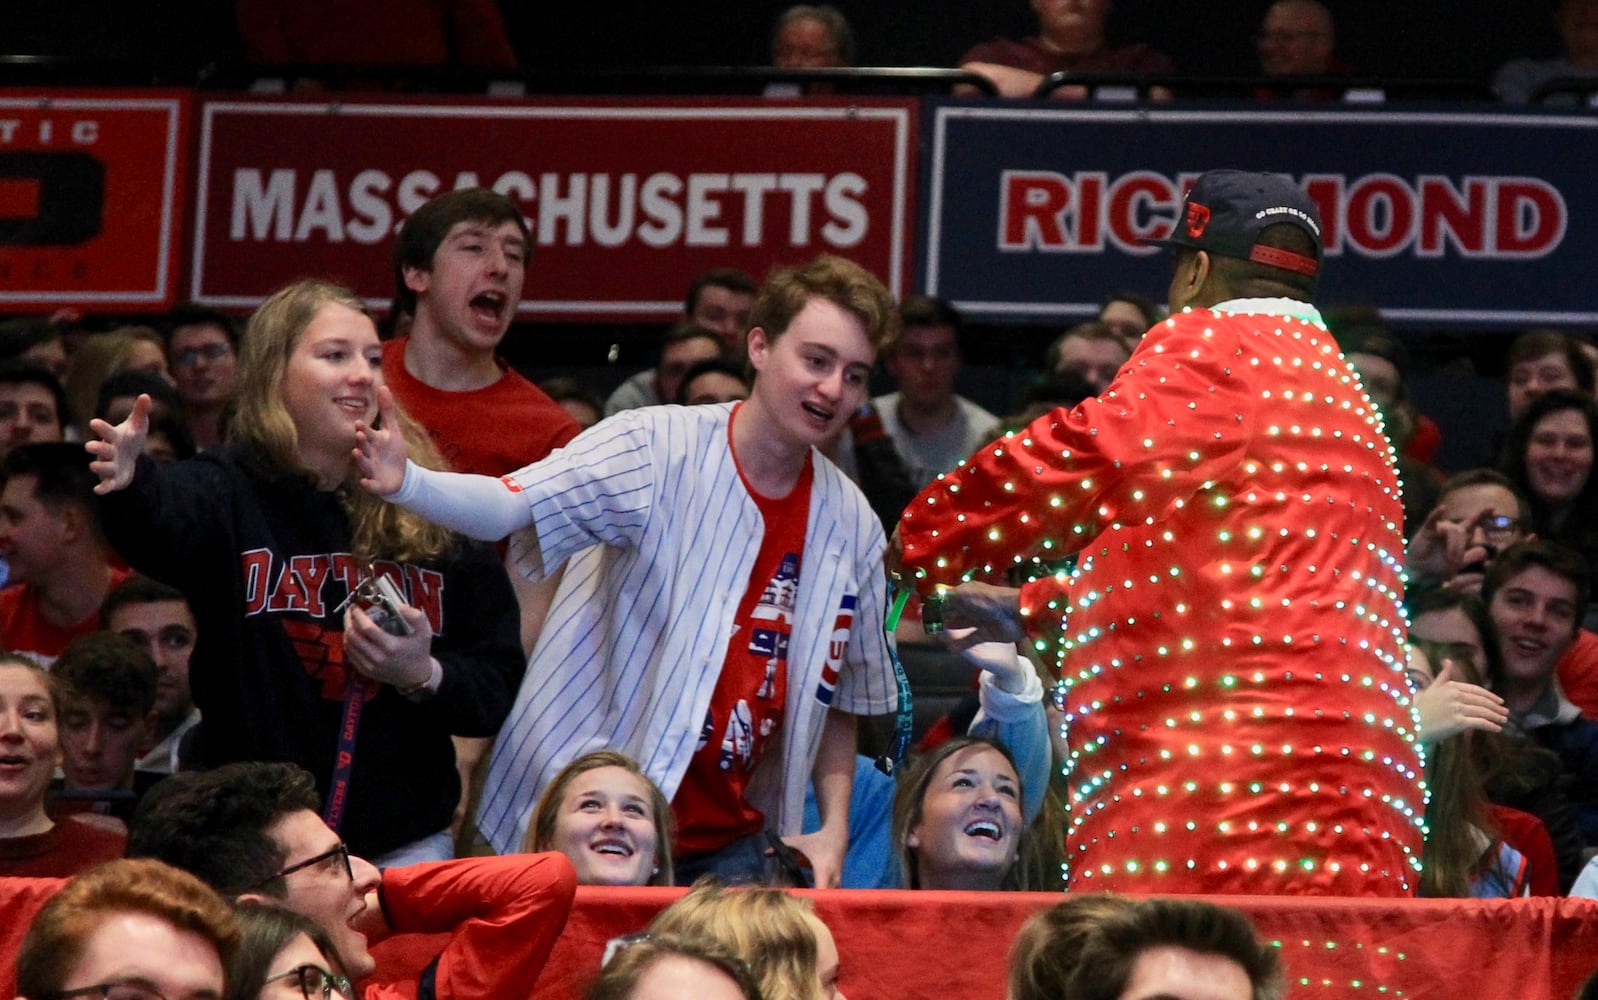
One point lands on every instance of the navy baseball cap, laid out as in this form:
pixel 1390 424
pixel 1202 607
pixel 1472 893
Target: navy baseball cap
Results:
pixel 1226 211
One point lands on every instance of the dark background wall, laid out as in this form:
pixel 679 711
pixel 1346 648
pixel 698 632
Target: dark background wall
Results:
pixel 1411 38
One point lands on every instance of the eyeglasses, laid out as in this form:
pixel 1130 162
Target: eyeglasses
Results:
pixel 128 989
pixel 316 983
pixel 340 851
pixel 211 352
pixel 1500 529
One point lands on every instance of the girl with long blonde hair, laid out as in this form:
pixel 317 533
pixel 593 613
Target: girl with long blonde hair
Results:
pixel 301 654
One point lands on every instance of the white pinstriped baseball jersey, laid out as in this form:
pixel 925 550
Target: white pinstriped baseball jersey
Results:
pixel 640 625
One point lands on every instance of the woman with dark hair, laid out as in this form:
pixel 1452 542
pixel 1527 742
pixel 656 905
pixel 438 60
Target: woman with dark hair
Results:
pixel 1548 455
pixel 338 632
pixel 283 956
pixel 957 819
pixel 1454 632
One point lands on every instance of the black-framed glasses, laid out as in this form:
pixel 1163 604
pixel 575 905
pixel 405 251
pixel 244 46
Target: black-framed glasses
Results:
pixel 210 352
pixel 128 989
pixel 315 982
pixel 340 850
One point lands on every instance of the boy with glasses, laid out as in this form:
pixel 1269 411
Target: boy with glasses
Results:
pixel 252 830
pixel 202 351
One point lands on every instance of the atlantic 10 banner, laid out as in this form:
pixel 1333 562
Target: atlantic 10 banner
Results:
pixel 627 201
pixel 1438 219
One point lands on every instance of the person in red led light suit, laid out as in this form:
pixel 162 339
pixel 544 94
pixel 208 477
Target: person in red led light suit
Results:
pixel 1231 640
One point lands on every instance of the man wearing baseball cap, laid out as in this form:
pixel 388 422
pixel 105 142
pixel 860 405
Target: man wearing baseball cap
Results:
pixel 1231 641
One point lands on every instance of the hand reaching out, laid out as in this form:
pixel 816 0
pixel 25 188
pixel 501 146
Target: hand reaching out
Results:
pixel 1008 667
pixel 380 451
pixel 993 614
pixel 1449 706
pixel 117 448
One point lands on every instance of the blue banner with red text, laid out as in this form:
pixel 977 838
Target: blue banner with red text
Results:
pixel 1036 213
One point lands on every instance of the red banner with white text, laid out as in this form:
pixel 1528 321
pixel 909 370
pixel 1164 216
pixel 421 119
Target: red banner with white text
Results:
pixel 91 198
pixel 627 201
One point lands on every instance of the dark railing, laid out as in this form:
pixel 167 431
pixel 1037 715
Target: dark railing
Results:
pixel 43 70
pixel 1352 90
pixel 1584 89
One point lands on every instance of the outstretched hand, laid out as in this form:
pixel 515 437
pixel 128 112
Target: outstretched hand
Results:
pixel 116 448
pixel 1008 667
pixel 993 614
pixel 1449 706
pixel 380 451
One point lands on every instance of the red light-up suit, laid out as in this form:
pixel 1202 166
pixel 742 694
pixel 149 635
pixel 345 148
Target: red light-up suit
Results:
pixel 1231 640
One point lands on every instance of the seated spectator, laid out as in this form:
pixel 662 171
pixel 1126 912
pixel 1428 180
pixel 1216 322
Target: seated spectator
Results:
pixel 202 352
pixel 1049 945
pixel 684 345
pixel 1541 361
pixel 789 950
pixel 1092 351
pixel 667 967
pixel 1297 38
pixel 34 340
pixel 957 819
pixel 374 32
pixel 722 299
pixel 579 401
pixel 128 348
pixel 1577 21
pixel 283 955
pixel 1521 781
pixel 932 428
pixel 1548 455
pixel 1071 39
pixel 812 36
pixel 1379 359
pixel 108 685
pixel 60 565
pixel 157 619
pixel 1478 514
pixel 31 843
pixel 1129 314
pixel 1175 948
pixel 129 929
pixel 254 829
pixel 608 818
pixel 1464 856
pixel 713 381
pixel 33 406
pixel 1534 593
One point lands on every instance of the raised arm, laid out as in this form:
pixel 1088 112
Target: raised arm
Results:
pixel 116 449
pixel 480 507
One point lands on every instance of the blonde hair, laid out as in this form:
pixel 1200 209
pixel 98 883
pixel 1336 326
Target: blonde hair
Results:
pixel 379 530
pixel 541 831
pixel 97 359
pixel 767 928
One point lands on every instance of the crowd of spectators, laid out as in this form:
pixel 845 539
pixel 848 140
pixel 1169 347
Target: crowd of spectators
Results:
pixel 182 504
